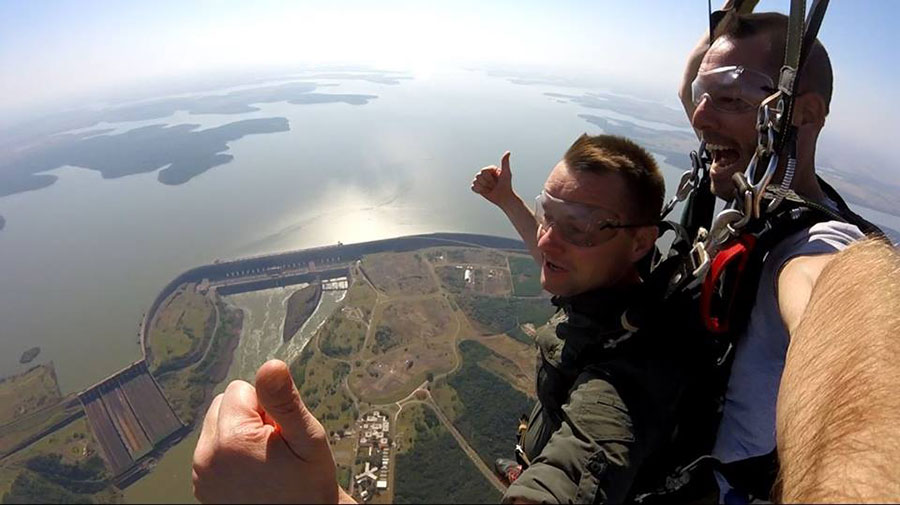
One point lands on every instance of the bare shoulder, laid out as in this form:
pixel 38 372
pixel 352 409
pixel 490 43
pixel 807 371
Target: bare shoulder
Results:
pixel 795 283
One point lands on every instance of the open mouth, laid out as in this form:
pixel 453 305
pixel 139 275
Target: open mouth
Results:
pixel 553 267
pixel 723 156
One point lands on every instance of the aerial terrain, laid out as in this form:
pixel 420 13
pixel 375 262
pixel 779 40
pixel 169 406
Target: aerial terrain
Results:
pixel 419 374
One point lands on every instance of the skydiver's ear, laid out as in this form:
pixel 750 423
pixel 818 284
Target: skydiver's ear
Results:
pixel 809 110
pixel 644 240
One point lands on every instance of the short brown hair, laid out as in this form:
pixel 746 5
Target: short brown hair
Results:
pixel 614 154
pixel 816 75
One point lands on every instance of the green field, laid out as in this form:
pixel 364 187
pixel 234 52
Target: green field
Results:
pixel 188 389
pixel 341 336
pixel 431 468
pixel 490 406
pixel 506 315
pixel 321 384
pixel 344 333
pixel 361 296
pixel 526 275
pixel 27 392
pixel 181 329
pixel 64 467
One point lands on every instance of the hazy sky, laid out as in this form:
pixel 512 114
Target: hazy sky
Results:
pixel 51 51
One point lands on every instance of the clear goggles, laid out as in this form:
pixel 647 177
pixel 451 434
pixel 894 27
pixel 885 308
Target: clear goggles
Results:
pixel 732 88
pixel 577 223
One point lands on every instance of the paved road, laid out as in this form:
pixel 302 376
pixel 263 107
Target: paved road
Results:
pixel 463 443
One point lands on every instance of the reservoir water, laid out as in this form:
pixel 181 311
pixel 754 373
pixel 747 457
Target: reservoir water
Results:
pixel 83 258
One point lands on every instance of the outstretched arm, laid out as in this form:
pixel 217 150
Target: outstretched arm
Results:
pixel 495 185
pixel 838 412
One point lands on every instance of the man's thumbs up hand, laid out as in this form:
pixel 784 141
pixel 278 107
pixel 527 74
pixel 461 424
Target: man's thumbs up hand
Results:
pixel 261 445
pixel 495 184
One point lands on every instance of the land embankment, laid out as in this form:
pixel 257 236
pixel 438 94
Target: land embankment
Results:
pixel 300 306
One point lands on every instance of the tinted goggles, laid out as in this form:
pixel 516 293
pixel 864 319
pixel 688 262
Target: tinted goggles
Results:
pixel 732 89
pixel 578 224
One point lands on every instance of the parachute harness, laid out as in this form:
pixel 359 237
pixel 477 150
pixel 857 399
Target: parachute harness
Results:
pixel 753 201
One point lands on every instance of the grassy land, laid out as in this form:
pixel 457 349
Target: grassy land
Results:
pixel 189 389
pixel 399 274
pixel 490 405
pixel 413 340
pixel 27 428
pixel 505 315
pixel 466 255
pixel 342 336
pixel 431 468
pixel 321 384
pixel 447 398
pixel 28 392
pixel 344 333
pixel 300 306
pixel 181 329
pixel 526 275
pixel 64 467
pixel 361 296
pixel 513 361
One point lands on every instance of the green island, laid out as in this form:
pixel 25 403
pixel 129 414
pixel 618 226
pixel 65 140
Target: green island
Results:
pixel 29 355
pixel 419 376
pixel 300 306
pixel 190 346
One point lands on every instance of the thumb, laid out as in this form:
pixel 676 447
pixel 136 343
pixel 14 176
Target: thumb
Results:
pixel 279 398
pixel 505 172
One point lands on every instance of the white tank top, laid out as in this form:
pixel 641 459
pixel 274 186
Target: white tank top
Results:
pixel 748 421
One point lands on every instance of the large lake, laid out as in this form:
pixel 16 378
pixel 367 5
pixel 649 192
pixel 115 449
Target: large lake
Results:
pixel 83 258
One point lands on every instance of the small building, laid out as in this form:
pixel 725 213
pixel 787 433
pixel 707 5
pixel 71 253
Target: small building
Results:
pixel 381 484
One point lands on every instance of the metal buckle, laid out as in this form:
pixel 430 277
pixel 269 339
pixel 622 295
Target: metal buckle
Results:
pixel 726 225
pixel 707 244
pixel 690 179
pixel 699 261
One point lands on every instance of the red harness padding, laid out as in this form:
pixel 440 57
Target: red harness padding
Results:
pixel 722 283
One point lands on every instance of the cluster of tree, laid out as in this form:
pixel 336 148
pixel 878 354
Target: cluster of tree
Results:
pixel 504 315
pixel 385 340
pixel 451 278
pixel 298 366
pixel 491 407
pixel 48 479
pixel 32 488
pixel 340 337
pixel 435 470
